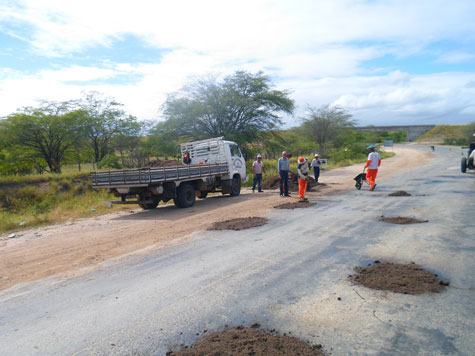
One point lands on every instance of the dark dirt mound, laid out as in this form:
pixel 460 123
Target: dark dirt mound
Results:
pixel 296 205
pixel 239 223
pixel 242 341
pixel 399 278
pixel 274 181
pixel 400 193
pixel 401 220
pixel 162 163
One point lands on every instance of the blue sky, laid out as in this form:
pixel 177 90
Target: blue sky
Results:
pixel 386 62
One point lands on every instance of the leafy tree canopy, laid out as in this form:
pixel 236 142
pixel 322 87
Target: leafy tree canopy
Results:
pixel 325 124
pixel 101 120
pixel 237 107
pixel 46 132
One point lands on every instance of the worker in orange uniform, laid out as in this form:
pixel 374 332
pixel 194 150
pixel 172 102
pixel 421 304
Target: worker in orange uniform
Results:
pixel 373 163
pixel 303 175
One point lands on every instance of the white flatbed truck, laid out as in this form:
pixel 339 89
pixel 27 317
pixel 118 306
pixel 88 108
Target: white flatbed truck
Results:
pixel 215 165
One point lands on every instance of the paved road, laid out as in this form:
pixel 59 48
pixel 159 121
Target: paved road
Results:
pixel 286 275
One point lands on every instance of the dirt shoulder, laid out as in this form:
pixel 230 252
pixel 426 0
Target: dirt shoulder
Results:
pixel 78 246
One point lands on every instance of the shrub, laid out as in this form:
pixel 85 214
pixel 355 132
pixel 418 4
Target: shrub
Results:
pixel 30 193
pixel 110 161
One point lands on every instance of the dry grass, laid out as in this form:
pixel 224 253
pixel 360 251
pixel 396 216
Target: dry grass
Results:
pixel 50 199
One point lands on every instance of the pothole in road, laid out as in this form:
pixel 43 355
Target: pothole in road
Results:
pixel 400 193
pixel 239 223
pixel 245 341
pixel 401 220
pixel 296 205
pixel 407 278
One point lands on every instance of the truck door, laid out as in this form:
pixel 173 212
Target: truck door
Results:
pixel 238 162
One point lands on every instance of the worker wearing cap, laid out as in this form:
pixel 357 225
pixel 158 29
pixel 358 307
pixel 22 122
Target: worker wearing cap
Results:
pixel 257 169
pixel 316 163
pixel 303 176
pixel 283 167
pixel 372 165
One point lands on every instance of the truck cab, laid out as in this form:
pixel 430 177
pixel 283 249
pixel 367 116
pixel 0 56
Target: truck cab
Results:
pixel 217 150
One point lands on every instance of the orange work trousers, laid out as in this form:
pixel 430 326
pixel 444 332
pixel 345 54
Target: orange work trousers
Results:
pixel 371 177
pixel 302 187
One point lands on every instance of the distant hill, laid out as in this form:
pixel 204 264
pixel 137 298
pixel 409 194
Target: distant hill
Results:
pixel 444 134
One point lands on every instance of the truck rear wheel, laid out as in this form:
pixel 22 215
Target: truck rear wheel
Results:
pixel 463 165
pixel 236 186
pixel 185 196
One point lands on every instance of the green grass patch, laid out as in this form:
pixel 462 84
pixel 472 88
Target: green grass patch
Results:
pixel 29 201
pixel 40 178
pixel 445 134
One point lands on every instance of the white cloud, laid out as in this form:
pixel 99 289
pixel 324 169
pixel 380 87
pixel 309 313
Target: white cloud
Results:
pixel 249 27
pixel 76 73
pixel 315 48
pixel 456 57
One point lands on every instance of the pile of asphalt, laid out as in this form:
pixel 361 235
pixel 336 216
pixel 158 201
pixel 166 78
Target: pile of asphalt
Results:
pixel 244 341
pixel 294 205
pixel 239 223
pixel 163 163
pixel 407 278
pixel 401 220
pixel 400 193
pixel 274 182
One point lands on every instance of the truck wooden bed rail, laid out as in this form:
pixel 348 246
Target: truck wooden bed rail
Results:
pixel 146 176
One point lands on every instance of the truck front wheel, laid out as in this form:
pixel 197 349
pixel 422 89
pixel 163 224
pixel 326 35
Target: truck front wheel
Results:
pixel 236 186
pixel 147 202
pixel 186 196
pixel 148 206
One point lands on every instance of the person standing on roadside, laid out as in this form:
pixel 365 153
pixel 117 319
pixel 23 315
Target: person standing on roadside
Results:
pixel 372 164
pixel 283 167
pixel 303 176
pixel 257 169
pixel 316 163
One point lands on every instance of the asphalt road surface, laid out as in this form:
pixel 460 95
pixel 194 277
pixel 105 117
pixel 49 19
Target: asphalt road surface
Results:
pixel 287 275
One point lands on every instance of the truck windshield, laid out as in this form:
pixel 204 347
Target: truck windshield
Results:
pixel 235 151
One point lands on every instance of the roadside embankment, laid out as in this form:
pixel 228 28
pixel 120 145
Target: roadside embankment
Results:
pixel 28 201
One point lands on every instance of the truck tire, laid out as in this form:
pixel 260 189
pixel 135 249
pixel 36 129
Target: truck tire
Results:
pixel 147 202
pixel 235 186
pixel 186 196
pixel 148 206
pixel 463 165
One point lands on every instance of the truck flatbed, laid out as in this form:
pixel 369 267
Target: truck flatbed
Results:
pixel 143 177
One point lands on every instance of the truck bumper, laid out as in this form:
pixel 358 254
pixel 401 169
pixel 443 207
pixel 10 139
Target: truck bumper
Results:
pixel 245 180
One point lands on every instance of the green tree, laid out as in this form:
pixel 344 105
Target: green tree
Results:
pixel 101 120
pixel 326 123
pixel 46 132
pixel 109 161
pixel 128 142
pixel 239 107
pixel 158 144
